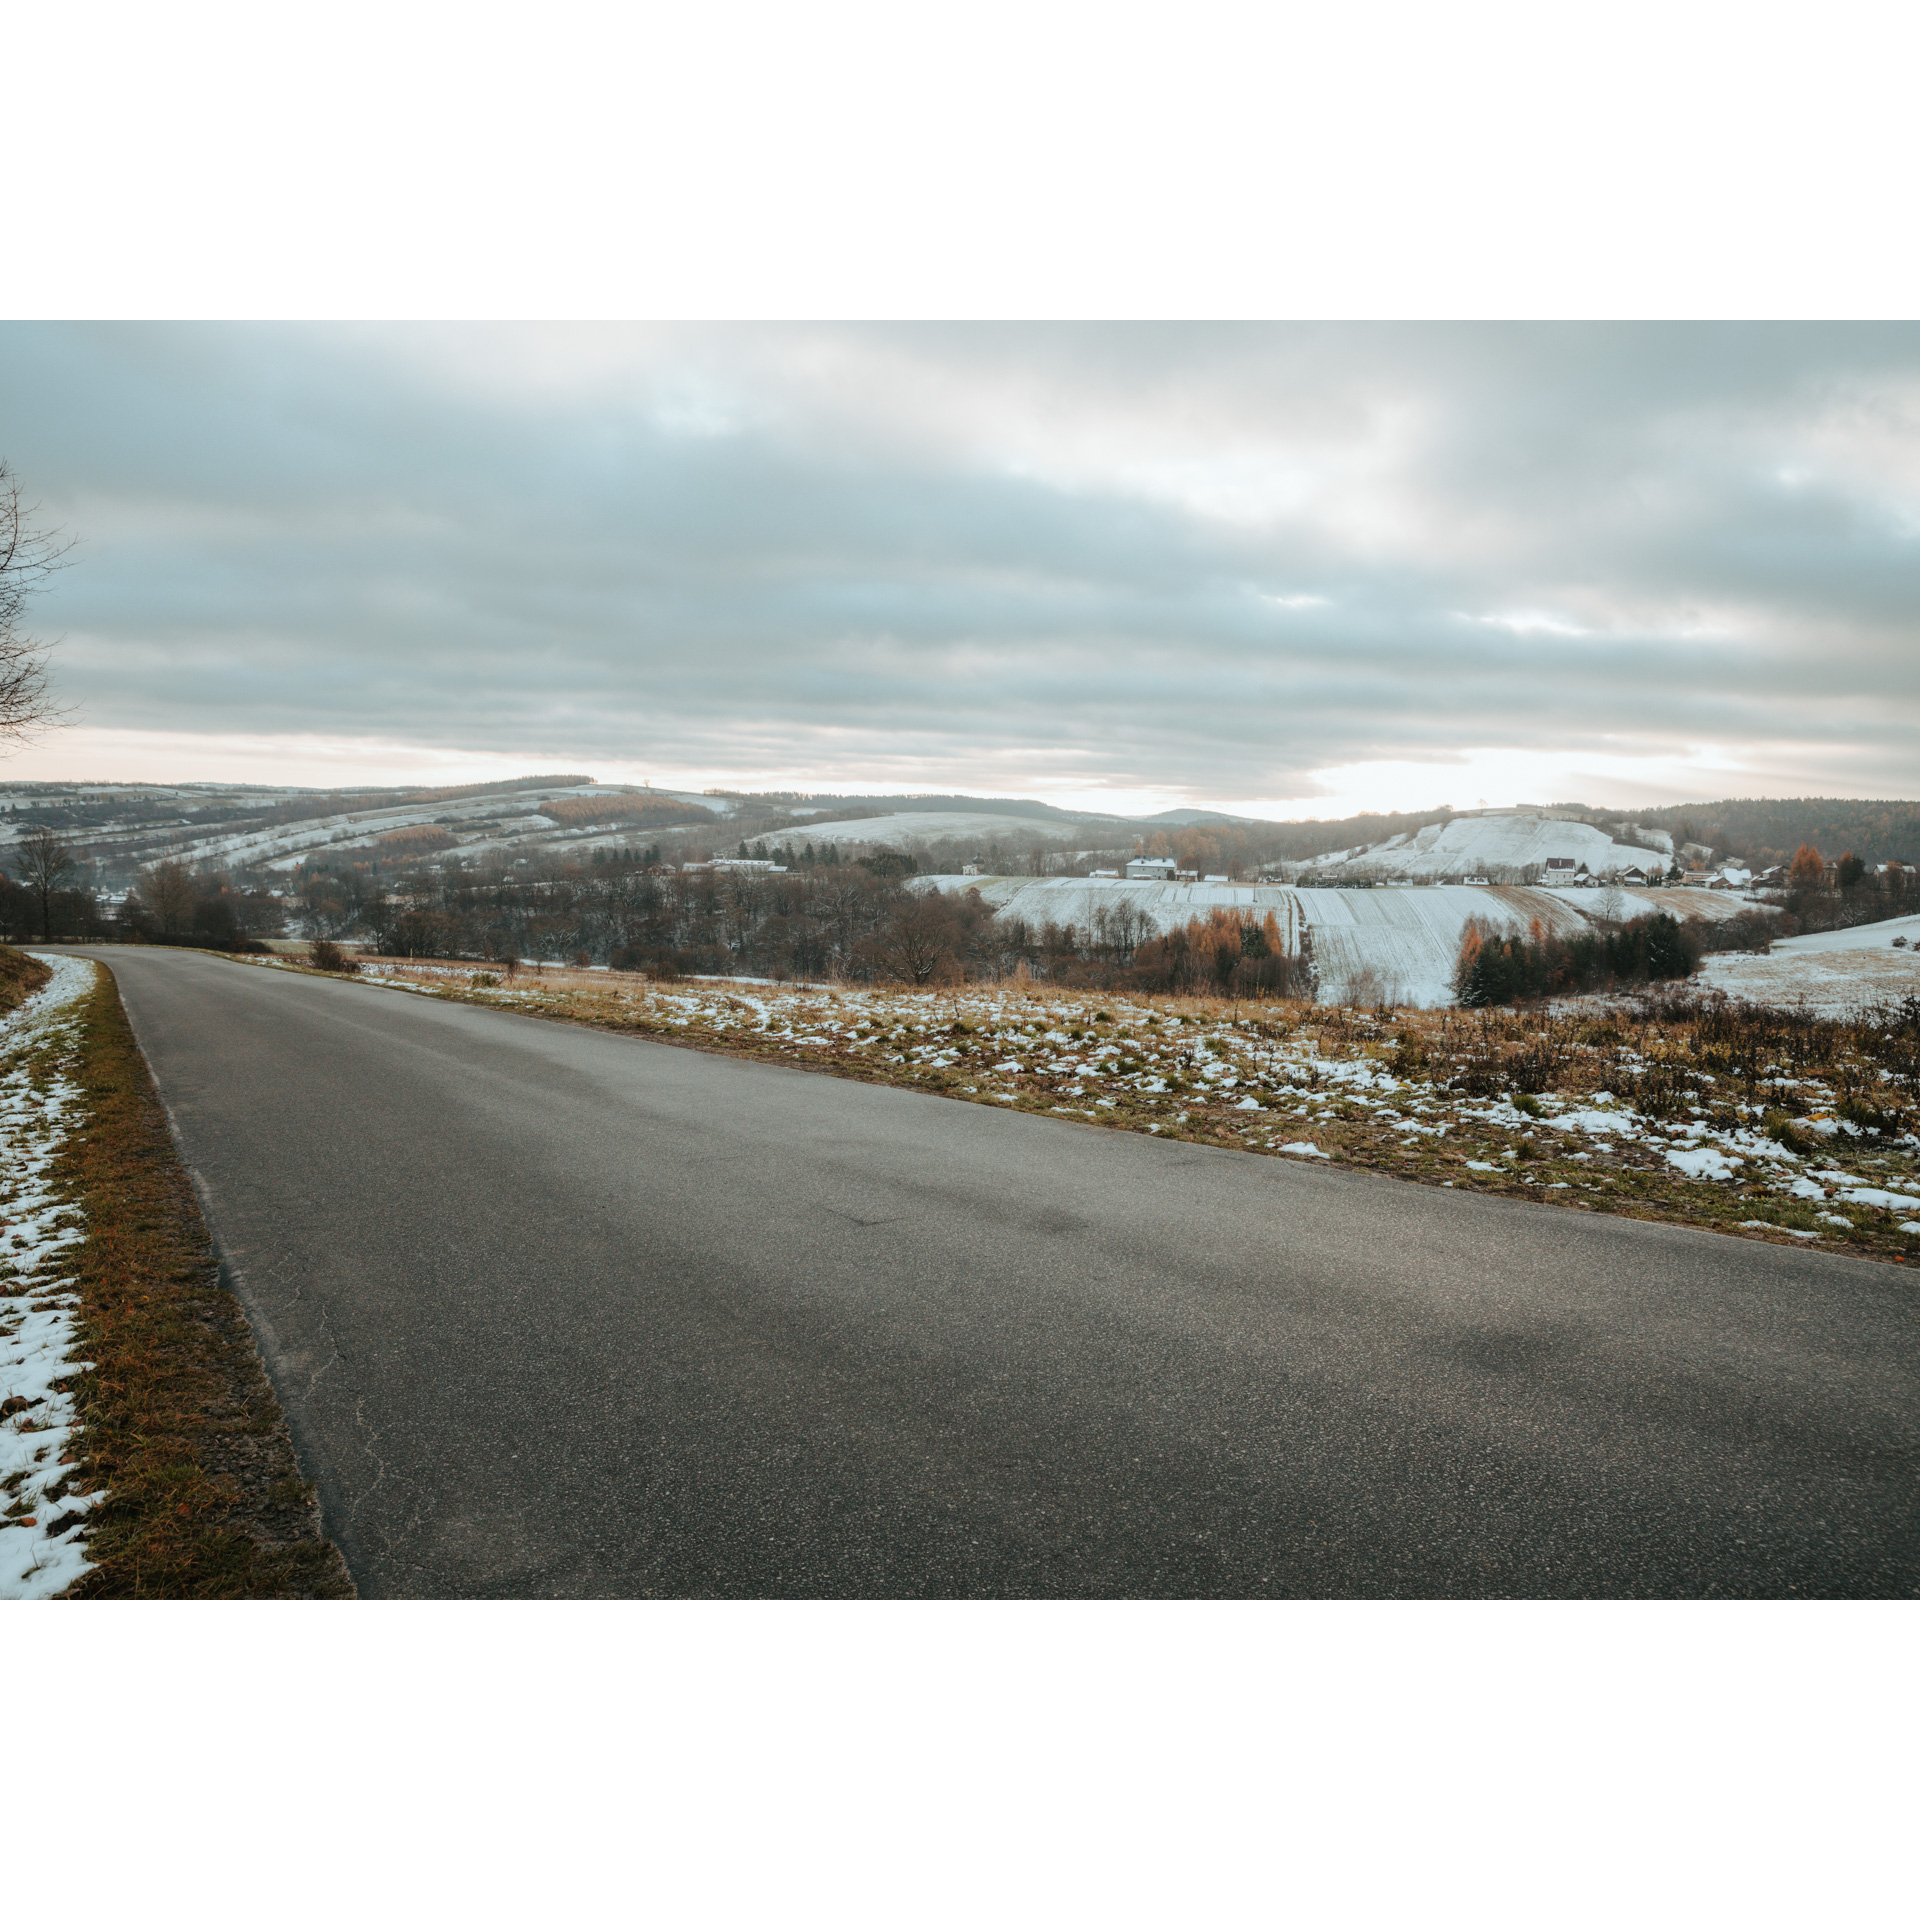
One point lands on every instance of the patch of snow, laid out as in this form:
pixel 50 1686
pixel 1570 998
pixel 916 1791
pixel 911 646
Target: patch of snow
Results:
pixel 1592 1120
pixel 1703 1163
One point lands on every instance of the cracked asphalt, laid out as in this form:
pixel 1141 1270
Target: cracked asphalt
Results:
pixel 556 1312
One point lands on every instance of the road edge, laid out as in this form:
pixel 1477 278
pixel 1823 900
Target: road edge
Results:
pixel 204 1492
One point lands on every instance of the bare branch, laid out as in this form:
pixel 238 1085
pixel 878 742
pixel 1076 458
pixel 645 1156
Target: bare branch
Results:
pixel 29 558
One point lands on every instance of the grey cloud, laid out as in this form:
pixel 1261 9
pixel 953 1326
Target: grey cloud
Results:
pixel 868 549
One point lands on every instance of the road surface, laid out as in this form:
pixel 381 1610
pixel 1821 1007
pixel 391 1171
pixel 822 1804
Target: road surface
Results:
pixel 561 1312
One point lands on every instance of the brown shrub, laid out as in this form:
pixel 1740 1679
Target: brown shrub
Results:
pixel 625 809
pixel 417 840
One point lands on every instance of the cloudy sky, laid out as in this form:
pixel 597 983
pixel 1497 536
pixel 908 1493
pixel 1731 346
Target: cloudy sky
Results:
pixel 1287 569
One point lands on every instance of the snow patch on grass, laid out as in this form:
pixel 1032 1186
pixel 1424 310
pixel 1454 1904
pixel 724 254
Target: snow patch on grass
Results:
pixel 42 1546
pixel 1703 1163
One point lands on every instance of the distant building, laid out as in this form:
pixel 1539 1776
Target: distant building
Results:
pixel 1152 869
pixel 1104 873
pixel 1560 873
pixel 1477 880
pixel 1217 879
pixel 973 866
pixel 745 866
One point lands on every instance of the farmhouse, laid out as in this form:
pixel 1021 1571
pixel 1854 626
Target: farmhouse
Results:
pixel 1560 872
pixel 1151 869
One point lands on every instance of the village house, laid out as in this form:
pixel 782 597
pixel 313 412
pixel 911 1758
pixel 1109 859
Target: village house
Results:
pixel 1151 869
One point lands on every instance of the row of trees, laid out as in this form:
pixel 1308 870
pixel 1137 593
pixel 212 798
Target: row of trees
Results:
pixel 857 920
pixel 1497 968
pixel 1848 892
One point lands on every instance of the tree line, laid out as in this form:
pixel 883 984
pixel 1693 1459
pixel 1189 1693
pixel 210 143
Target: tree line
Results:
pixel 1497 967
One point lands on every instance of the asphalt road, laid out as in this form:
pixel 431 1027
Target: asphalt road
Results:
pixel 559 1312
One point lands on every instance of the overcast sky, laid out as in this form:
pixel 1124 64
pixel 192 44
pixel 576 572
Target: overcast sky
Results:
pixel 1285 569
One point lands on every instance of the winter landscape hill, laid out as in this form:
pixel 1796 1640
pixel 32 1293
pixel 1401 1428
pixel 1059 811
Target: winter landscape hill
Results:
pixel 1511 845
pixel 1396 945
pixel 120 829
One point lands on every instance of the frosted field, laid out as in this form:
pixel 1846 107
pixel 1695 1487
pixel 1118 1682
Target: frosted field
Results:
pixel 1489 843
pixel 1879 937
pixel 898 829
pixel 495 820
pixel 1837 983
pixel 1396 943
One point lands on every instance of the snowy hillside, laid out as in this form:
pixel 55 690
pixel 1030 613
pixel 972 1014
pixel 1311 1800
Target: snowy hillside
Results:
pixel 1394 942
pixel 1500 846
pixel 273 829
pixel 903 829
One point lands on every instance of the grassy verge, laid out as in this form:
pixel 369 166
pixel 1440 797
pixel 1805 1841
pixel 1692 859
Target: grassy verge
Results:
pixel 1664 1109
pixel 180 1424
pixel 20 975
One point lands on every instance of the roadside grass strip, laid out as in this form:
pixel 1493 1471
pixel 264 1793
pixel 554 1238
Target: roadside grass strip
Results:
pixel 158 1462
pixel 1650 1107
pixel 43 1523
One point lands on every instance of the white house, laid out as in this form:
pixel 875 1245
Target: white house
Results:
pixel 1151 869
pixel 1560 872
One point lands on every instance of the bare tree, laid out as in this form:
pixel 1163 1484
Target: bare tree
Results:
pixel 925 936
pixel 41 862
pixel 28 559
pixel 169 892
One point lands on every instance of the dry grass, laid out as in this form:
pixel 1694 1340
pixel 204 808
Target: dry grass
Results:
pixel 20 975
pixel 206 1500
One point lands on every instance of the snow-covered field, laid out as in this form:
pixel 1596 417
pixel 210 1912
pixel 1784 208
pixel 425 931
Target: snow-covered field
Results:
pixel 1496 844
pixel 208 837
pixel 1397 944
pixel 42 1543
pixel 1878 936
pixel 900 829
pixel 1836 983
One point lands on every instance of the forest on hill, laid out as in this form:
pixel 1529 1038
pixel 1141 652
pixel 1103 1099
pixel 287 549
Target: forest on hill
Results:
pixel 1768 832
